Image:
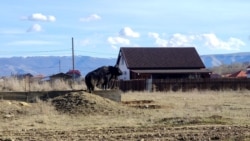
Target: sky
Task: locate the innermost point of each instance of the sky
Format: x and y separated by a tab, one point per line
100	27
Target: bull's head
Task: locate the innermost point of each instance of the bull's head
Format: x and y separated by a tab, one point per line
115	70
118	70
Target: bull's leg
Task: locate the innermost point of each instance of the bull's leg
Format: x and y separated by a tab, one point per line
104	86
105	83
88	88
92	88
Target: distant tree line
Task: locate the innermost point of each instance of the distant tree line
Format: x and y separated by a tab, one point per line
231	68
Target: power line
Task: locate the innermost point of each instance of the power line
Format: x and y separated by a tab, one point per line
95	52
52	51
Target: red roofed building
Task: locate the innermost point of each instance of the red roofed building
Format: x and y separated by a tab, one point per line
74	73
239	74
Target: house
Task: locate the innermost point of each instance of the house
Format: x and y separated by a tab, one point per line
60	76
74	73
23	76
238	74
248	72
160	63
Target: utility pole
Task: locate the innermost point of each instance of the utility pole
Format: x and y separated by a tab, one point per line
73	59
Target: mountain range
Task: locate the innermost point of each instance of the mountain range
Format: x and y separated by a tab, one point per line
49	65
225	59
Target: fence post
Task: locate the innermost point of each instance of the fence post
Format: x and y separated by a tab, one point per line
149	85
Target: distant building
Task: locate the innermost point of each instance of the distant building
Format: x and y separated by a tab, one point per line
22	76
238	74
61	76
74	73
248	72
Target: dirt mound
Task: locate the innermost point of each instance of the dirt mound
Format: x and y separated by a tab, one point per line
86	104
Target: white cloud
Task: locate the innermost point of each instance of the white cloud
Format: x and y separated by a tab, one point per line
213	42
51	18
35	28
176	40
181	40
128	32
114	47
118	40
209	40
92	17
158	41
40	17
121	40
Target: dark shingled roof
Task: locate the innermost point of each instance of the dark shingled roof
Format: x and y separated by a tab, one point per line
161	58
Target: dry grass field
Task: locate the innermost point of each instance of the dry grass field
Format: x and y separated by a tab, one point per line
209	115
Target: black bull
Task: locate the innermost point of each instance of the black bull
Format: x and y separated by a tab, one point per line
101	76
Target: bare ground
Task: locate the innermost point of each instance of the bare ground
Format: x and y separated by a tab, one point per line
158	132
82	116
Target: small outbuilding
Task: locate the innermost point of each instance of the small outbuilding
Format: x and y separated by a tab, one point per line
60	76
160	63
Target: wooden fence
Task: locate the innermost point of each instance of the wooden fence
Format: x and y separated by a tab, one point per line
184	84
132	85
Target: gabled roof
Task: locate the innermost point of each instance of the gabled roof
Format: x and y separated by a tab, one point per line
239	74
60	75
71	72
161	58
